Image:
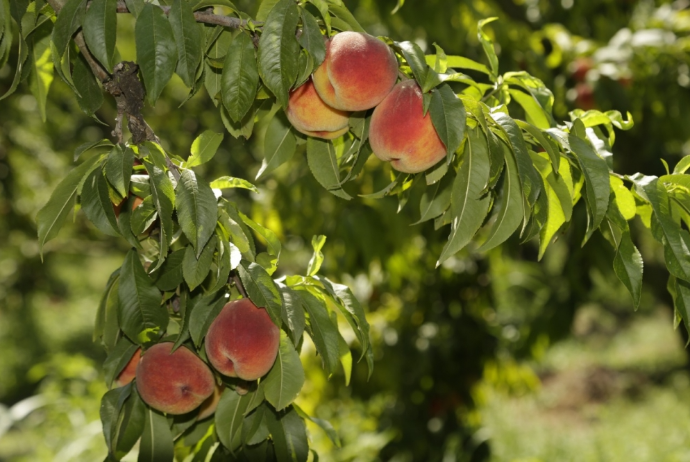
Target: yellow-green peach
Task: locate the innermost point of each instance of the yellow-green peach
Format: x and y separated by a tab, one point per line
308	113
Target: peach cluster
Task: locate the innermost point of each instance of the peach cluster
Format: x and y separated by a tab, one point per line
360	73
241	342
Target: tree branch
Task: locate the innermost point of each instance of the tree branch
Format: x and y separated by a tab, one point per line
200	16
235	278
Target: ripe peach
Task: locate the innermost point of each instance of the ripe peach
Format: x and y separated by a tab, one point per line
175	383
399	132
127	374
242	341
308	113
358	72
208	407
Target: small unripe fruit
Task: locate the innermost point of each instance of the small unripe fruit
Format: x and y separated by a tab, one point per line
308	113
174	383
358	72
242	341
401	134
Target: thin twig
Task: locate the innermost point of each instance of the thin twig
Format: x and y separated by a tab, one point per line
238	283
200	16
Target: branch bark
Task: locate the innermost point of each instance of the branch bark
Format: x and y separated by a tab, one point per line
200	16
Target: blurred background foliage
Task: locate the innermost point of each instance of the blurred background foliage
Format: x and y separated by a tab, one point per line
491	357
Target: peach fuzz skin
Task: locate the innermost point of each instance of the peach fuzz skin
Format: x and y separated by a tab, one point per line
174	383
209	406
399	132
127	374
308	113
242	341
358	72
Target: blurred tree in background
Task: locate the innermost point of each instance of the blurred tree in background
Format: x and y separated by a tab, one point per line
450	344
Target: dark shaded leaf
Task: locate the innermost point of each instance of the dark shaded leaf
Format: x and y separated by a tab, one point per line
324	166
188	38
100	30
156	50
197	209
240	77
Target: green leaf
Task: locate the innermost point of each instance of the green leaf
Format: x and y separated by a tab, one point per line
272	241
140	300
117	359
23	54
188	38
597	184
156	50
624	198
467	204
101	145
435	199
169	275
544	142
285	379
197	209
143	216
204	309
278	50
458	62
627	264
67	23
164	198
509	205
560	202
261	289
324	424
196	270
292	312
311	38
135	7
254	429
229	417
95	201
41	70
100	30
488	45
316	260
322	331
350	308
240	77
324	166
100	324
345	356
415	59
228	182
680	291
529	177
449	117
534	112
322	6
204	147
289	435
90	97
157	440
110	412
52	216
132	424
279	145
118	168
346	18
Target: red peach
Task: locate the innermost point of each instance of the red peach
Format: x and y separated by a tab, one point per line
242	341
358	72
209	406
401	134
308	113
127	374
174	383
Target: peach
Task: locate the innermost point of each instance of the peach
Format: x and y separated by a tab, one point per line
127	374
242	341
174	383
136	203
209	406
308	113
401	134
358	72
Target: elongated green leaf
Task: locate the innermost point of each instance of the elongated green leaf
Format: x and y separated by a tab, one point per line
204	309
97	205
67	23
627	264
156	50
436	199
324	424
196	270
529	177
100	27
322	331
118	168
285	379
324	166
90	97
279	49
487	44
261	289
169	275
41	67
316	260
544	142
188	38
157	440
449	117
680	291
597	186
142	216
204	147
23	54
197	209
110	412
293	312
560	202
240	77
140	301
311	38
535	113
132	424
415	59
279	145
254	429
509	205
164	198
100	324
350	308
52	216
229	417
467	204
227	182
289	435
117	359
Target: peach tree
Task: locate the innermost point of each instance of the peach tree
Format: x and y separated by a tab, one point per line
482	147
